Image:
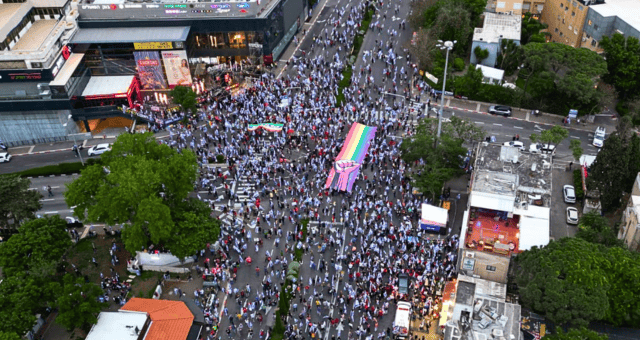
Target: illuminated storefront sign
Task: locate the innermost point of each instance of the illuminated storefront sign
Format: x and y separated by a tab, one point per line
175	6
175	11
164	45
220	6
243	5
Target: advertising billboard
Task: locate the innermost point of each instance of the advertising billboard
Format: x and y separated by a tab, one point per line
149	70
177	68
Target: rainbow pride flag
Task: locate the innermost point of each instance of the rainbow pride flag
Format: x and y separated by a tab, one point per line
347	165
271	127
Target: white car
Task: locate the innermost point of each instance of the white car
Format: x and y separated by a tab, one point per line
572	215
598	136
99	149
515	144
4	157
542	148
569	193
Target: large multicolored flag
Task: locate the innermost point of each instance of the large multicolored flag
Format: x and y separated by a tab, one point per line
271	127
347	165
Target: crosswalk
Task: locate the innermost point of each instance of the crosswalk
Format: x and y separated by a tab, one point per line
244	188
415	107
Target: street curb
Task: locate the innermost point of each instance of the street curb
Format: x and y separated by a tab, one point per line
519	119
61	175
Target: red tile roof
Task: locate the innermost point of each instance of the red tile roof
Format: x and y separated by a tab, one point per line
171	320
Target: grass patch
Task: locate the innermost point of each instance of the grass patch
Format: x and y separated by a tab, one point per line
520	82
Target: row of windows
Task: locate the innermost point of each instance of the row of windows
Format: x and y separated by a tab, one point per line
29	18
566	8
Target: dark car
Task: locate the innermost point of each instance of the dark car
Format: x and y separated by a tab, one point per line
500	110
403	284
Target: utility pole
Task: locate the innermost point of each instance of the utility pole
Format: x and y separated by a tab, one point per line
448	45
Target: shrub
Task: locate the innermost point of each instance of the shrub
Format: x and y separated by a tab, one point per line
220	158
458	64
577	184
622	108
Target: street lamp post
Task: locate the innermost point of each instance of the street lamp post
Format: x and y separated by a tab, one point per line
74	140
448	45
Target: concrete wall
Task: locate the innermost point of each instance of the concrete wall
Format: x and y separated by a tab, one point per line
32	127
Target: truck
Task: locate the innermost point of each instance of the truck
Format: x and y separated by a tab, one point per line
402	322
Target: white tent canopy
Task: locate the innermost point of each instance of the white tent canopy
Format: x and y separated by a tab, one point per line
496	202
533	232
434	215
99	86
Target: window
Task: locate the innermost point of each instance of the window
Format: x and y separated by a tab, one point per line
570	27
590	22
556	30
573	14
501	4
491	268
595	27
594	43
561	34
575	31
563	20
588	36
575	4
580	7
36	65
561	5
566	8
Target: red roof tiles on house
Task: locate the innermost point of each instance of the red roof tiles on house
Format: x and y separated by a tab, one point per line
170	320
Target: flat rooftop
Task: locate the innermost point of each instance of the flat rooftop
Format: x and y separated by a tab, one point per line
9	10
498	26
116	325
35	36
172	9
627	10
481	312
508	172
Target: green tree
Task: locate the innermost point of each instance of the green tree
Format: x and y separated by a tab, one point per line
614	170
470	83
453	23
531	30
17	202
623	64
552	136
185	97
78	303
37	247
573	72
576	334
458	64
437	165
144	186
510	56
576	149
481	54
9	336
565	281
21	297
595	228
464	130
623	270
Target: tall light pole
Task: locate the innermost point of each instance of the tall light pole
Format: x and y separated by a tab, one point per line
448	45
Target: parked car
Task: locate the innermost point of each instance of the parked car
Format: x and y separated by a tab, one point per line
542	148
515	144
4	157
572	215
99	149
569	193
598	136
73	222
500	110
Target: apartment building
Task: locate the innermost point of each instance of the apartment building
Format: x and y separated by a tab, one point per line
609	18
630	224
517	7
566	20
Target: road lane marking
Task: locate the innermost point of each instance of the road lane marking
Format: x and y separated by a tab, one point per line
479	122
50	212
31	148
47	199
496	124
518	127
576	137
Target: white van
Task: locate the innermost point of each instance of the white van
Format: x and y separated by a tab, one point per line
402	322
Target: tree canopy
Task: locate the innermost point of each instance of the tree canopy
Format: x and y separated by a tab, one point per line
77	302
595	228
21	297
530	31
614	170
145	186
552	136
444	162
571	73
17	202
573	281
36	249
576	334
623	64
185	97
